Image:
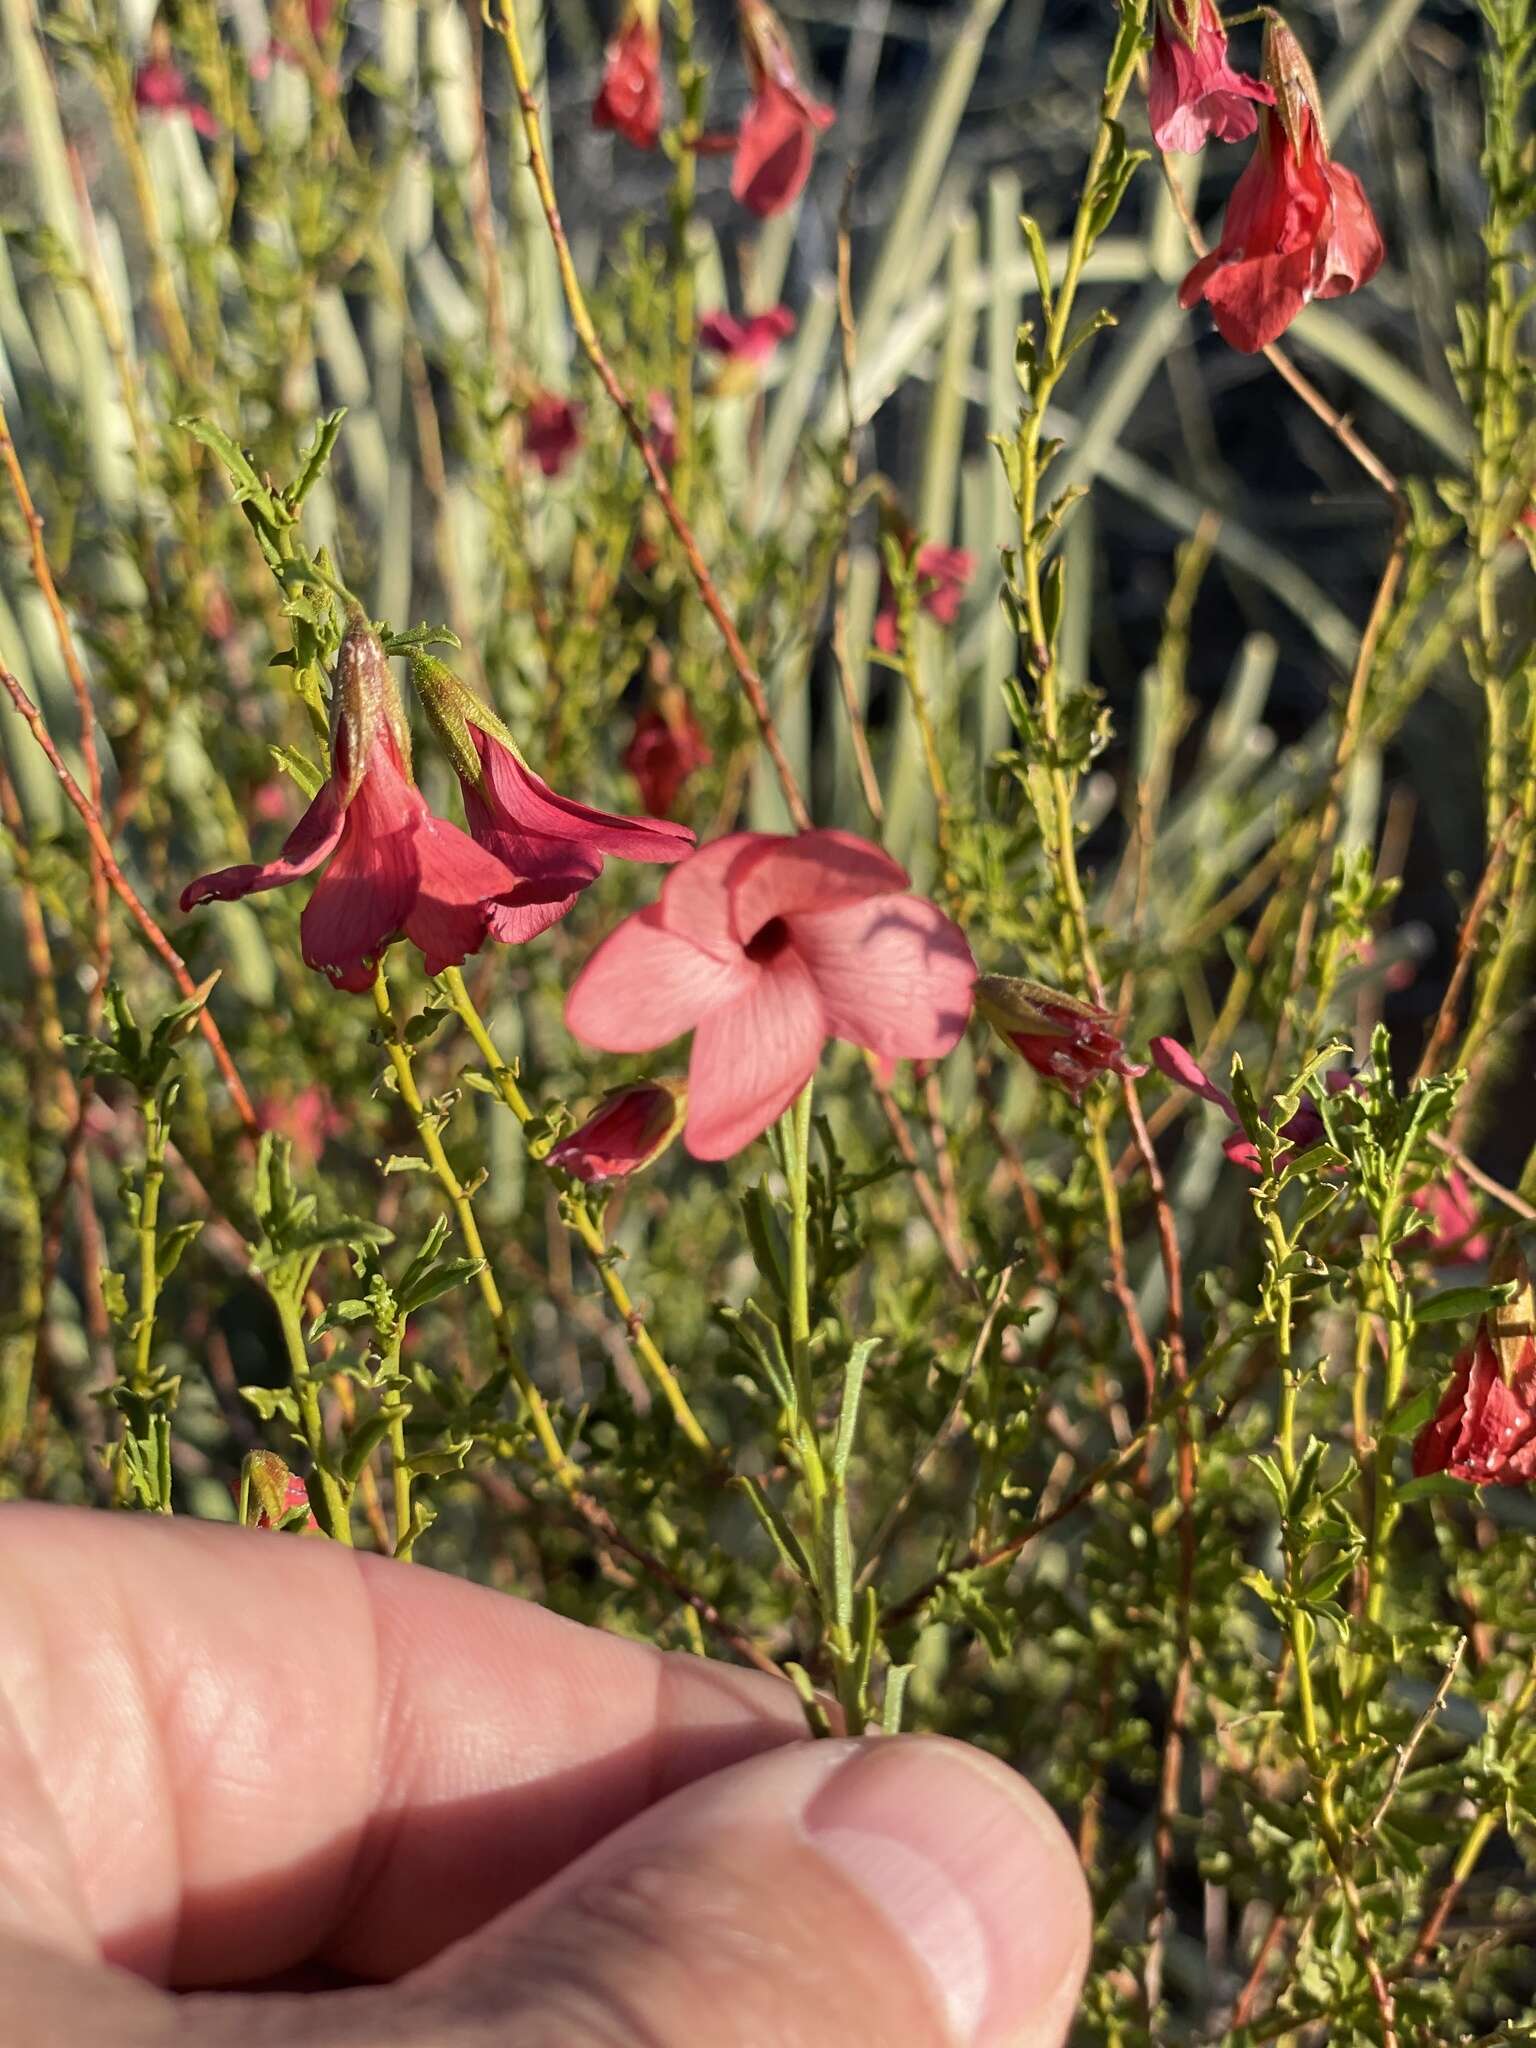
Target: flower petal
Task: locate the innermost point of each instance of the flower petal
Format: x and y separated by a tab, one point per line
312	838
457	884
811	871
1170	1058
367	892
695	899
895	974
752	1057
528	805
646	984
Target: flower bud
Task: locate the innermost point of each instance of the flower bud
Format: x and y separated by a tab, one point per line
1064	1038
630	1128
364	701
1290	77
269	1492
451	710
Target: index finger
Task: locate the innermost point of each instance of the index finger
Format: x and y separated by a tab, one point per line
234	1753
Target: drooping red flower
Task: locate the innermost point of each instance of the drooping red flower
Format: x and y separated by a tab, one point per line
553	846
1484	1430
393	867
1301	1131
551	431
1454	1235
667	745
764	946
1064	1038
1298	226
159	87
629	100
1192	91
943	577
779	129
752	340
630	1128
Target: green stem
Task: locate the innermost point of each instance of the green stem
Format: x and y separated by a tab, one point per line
469	1231
333	1505
578	1218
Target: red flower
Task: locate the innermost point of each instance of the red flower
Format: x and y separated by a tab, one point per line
393	866
765	946
630	1128
630	98
272	1491
1298	226
160	88
667	746
943	577
779	129
551	431
1064	1038
1485	1427
553	846
752	340
1192	92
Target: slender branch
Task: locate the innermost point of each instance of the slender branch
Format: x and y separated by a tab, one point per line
124	892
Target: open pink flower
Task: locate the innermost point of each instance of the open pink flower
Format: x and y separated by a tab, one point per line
764	946
1192	91
630	98
668	744
752	340
393	866
159	87
943	577
1305	1129
1298	226
553	846
779	129
630	1128
551	431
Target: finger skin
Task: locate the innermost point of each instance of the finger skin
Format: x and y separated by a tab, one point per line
239	1751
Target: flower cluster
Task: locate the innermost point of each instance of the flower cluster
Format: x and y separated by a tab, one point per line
1298	226
772	149
392	867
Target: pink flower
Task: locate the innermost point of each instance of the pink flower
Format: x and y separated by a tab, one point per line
630	98
393	866
764	947
160	88
1454	1236
553	846
752	340
1064	1038
630	1128
1302	1131
943	577
551	431
1192	92
779	129
668	744
306	1120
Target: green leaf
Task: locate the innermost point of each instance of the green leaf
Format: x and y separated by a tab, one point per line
170	1248
1436	1486
1460	1304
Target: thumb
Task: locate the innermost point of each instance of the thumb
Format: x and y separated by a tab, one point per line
910	1892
